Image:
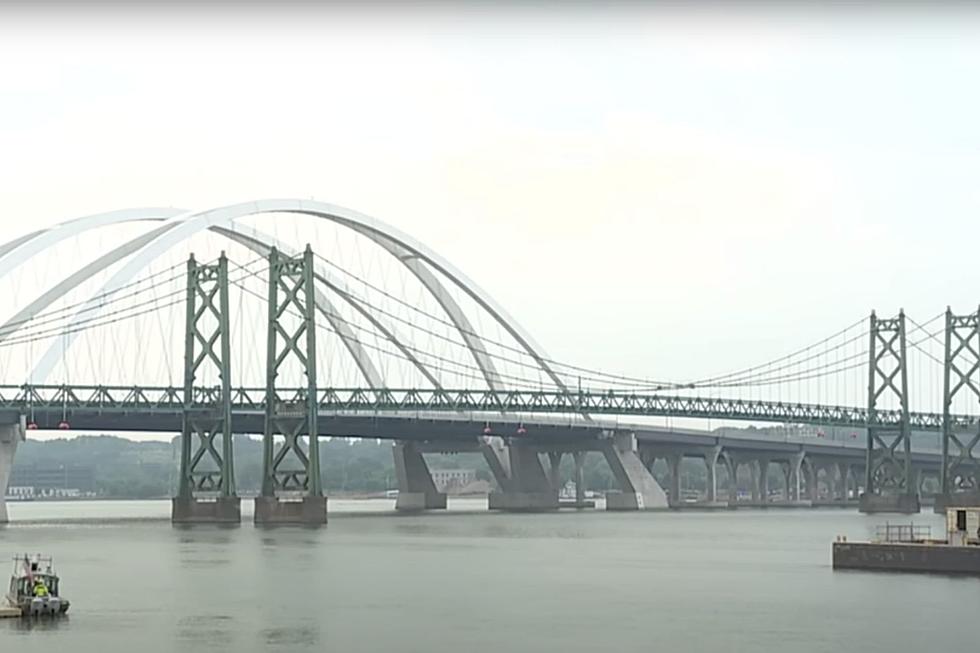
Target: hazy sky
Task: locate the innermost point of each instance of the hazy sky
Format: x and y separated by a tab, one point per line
662	193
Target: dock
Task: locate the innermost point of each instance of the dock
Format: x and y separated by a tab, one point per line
9	612
907	547
928	557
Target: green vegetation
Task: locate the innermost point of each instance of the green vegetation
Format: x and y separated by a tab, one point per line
123	468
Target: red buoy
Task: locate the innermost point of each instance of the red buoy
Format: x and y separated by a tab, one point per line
63	425
32	426
487	430
521	430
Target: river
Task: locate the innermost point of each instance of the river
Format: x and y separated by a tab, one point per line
468	580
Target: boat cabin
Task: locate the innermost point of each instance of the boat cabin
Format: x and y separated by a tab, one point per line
27	571
963	526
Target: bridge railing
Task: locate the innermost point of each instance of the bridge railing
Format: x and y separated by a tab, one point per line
167	398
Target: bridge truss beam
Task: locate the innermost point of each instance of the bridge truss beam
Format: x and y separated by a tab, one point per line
49	402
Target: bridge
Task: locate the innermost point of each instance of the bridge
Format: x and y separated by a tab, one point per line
429	375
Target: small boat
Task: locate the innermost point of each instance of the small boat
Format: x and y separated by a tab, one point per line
35	588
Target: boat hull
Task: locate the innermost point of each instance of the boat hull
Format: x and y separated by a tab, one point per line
47	606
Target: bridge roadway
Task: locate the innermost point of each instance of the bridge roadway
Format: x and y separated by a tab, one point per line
86	400
814	471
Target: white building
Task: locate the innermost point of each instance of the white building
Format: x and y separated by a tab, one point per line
452	479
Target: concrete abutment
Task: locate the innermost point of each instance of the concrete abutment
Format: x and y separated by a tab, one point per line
10	436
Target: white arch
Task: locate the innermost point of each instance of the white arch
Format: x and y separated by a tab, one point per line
23	317
262	244
188	225
17	251
256	241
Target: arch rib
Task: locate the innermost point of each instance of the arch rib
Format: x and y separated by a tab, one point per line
22	317
244	235
19	250
225	216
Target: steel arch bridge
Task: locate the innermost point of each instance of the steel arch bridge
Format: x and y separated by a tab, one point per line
304	286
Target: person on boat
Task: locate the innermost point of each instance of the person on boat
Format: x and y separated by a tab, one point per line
40	589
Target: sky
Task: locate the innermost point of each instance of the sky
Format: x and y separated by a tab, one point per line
661	192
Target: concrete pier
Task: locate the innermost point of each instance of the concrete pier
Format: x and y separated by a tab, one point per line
10	436
710	463
639	490
416	489
527	488
220	510
497	455
903	503
273	511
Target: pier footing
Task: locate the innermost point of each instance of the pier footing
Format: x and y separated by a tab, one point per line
903	503
222	510
523	501
273	511
415	501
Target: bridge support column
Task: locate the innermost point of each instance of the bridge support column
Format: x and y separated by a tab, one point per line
639	490
496	453
528	488
674	460
416	489
842	484
959	478
888	485
10	436
554	469
762	484
579	478
731	466
795	483
788	481
206	493
292	491
710	461
812	482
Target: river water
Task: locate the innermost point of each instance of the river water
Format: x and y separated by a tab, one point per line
468	580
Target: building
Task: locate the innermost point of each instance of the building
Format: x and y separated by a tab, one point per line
447	480
47	478
20	493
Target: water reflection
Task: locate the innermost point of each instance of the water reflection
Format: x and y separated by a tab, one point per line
28	624
208	630
295	636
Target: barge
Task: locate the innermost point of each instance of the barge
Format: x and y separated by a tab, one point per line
911	548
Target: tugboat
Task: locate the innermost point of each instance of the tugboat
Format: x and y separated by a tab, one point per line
34	588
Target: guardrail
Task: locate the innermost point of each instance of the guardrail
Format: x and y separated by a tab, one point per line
903	533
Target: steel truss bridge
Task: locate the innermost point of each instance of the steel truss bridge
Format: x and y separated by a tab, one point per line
509	423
